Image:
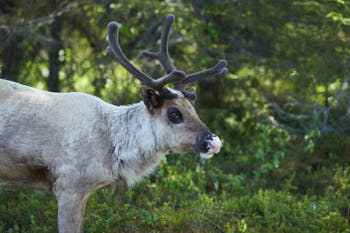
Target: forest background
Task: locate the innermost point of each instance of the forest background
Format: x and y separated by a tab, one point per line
282	111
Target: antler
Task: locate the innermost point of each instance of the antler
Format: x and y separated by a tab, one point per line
164	58
218	69
163	54
179	78
158	84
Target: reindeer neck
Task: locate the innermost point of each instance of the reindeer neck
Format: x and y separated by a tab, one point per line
138	145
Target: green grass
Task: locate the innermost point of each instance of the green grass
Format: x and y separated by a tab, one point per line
193	198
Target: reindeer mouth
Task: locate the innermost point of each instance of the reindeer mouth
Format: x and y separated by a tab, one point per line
211	145
206	155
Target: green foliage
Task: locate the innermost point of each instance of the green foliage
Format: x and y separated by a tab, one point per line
27	212
282	112
187	200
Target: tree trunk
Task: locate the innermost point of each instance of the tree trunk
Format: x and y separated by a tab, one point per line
54	63
11	57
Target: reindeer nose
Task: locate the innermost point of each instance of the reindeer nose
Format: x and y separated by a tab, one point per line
213	143
208	144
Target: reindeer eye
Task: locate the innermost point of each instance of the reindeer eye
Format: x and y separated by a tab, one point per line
174	115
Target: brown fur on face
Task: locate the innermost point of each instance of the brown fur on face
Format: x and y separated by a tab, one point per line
182	136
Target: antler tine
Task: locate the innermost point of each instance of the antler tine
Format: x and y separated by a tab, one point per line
219	69
163	54
113	33
173	76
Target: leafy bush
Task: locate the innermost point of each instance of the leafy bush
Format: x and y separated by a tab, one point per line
193	198
281	169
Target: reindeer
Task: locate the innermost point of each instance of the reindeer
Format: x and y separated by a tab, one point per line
75	143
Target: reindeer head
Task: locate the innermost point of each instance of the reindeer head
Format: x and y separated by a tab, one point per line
171	107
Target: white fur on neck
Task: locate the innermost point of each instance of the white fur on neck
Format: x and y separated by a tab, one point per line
138	140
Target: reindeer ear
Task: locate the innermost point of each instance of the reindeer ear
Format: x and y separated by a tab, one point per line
191	89
190	93
151	98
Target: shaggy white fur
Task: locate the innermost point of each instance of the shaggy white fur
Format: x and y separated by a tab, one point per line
75	143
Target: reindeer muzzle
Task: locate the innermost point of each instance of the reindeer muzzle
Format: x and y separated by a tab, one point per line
208	145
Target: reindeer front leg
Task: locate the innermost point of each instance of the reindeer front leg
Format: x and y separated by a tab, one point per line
71	207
